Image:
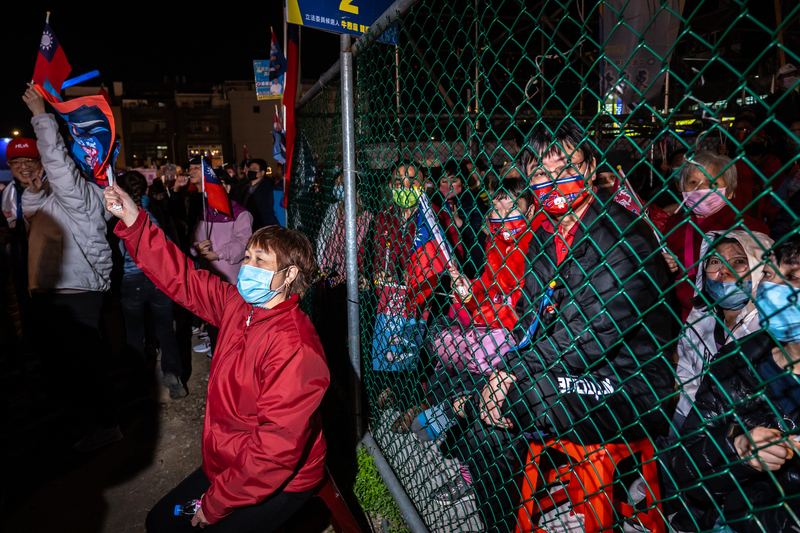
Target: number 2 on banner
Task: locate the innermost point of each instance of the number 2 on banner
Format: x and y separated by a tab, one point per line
347	6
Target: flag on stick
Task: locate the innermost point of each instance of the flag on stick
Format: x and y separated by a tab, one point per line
214	191
52	67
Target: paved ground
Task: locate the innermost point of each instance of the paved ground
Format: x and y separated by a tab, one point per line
422	468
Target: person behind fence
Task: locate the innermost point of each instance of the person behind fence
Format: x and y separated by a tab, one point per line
403	299
462	205
588	365
331	293
738	459
218	244
137	292
69	270
724	306
258	195
757	169
481	334
263	448
709	183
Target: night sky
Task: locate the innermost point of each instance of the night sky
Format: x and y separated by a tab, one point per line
133	43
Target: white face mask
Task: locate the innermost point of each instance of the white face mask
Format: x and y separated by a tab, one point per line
790	81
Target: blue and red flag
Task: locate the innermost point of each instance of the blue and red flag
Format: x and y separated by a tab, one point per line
432	253
52	67
91	124
214	191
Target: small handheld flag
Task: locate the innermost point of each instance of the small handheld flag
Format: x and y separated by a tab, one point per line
52	67
214	191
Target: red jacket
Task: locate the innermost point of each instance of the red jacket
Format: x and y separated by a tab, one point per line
262	430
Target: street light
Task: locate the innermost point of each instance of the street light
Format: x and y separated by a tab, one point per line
15	132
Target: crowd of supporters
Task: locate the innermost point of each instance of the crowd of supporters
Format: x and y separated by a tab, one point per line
558	298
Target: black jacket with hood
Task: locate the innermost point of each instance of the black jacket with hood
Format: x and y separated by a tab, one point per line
732	397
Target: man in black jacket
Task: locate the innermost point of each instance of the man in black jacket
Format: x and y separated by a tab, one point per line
259	199
588	366
740	440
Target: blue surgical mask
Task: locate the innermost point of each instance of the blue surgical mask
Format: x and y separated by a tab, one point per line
779	310
338	192
729	295
254	285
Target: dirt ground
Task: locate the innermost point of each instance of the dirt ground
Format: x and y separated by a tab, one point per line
46	487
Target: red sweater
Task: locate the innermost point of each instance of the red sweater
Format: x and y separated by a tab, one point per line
262	430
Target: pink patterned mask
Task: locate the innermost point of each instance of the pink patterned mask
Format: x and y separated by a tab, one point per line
705	202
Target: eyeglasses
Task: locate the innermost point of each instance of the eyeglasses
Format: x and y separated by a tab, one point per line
24	162
547	174
740	265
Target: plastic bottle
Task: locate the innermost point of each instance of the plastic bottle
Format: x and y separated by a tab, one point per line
187	510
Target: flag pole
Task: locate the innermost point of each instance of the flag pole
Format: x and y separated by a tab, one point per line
203	192
47	18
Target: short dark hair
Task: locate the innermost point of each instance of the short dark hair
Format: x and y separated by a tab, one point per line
262	165
223	176
452	168
549	137
788	252
514	188
157	187
291	248
133	183
244	163
197	159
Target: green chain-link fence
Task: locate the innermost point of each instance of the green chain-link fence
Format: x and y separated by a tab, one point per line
567	266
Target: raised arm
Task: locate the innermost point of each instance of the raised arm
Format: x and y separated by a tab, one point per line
199	291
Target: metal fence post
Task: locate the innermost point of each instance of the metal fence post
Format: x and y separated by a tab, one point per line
351	230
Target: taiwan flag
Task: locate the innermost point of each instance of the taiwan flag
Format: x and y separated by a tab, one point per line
432	253
214	191
52	67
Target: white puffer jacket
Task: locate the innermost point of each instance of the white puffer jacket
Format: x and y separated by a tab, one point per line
67	246
697	346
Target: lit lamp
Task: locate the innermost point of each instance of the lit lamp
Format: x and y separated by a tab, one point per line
15	132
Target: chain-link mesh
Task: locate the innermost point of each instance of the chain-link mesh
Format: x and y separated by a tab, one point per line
578	283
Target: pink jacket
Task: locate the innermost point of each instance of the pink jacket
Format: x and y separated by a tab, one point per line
228	238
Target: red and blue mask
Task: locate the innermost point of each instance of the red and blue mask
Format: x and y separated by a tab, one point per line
557	197
508	229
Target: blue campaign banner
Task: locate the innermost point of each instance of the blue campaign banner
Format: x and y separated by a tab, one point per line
341	16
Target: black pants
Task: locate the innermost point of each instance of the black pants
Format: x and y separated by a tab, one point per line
263	517
137	292
74	353
552	403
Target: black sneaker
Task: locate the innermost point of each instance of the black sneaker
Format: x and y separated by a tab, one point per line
175	386
452	491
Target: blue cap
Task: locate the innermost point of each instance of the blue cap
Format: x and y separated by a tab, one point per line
178	510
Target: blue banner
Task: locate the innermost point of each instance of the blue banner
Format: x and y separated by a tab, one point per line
341	16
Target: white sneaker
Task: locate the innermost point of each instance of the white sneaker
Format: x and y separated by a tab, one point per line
196	331
203	347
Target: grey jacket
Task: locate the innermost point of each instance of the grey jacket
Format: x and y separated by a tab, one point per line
67	246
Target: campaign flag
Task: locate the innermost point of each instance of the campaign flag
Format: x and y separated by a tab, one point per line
246	155
289	94
52	67
270	75
214	191
278	138
626	196
91	124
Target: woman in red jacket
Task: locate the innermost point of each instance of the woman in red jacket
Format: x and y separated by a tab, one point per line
263	449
